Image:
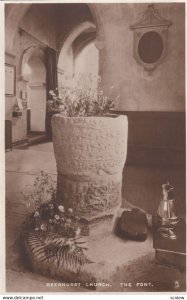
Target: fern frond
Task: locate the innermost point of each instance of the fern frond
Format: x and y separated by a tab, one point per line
56	249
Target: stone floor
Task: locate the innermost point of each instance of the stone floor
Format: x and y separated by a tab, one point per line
141	187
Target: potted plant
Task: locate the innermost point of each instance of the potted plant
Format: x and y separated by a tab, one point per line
90	147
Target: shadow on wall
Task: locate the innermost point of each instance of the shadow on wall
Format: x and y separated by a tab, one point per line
156	139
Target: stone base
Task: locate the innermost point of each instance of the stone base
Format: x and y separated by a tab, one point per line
108	253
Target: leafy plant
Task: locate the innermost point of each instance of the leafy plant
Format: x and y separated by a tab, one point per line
79	101
42	191
53	234
57	250
54	103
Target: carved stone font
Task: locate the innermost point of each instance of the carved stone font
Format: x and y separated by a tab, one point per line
90	154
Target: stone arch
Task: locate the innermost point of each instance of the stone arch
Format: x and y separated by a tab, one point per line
13	16
15	12
31	51
84	26
98	21
67	43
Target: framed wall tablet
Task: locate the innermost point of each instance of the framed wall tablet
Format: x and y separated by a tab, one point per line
150	38
10	77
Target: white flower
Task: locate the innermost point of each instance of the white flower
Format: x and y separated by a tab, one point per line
78	231
70	210
36	228
51	92
61	208
50	221
42	227
68	221
36	214
57	217
51	206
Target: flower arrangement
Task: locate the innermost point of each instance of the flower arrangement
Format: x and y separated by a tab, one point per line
54	235
49	217
79	101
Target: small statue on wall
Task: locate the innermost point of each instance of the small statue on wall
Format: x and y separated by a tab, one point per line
150	38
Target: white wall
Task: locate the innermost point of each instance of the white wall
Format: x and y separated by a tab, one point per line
36	92
37	99
86	65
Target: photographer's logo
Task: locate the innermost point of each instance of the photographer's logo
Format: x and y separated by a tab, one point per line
176	284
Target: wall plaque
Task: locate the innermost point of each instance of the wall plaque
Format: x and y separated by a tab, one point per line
150	38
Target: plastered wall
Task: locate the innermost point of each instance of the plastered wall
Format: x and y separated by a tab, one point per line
39	25
164	90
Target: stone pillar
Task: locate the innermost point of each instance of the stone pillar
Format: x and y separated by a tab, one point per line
90	153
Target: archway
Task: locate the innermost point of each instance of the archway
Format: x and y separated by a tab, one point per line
78	60
35	73
14	13
66	31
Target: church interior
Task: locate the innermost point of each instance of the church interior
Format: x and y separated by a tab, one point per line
137	50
